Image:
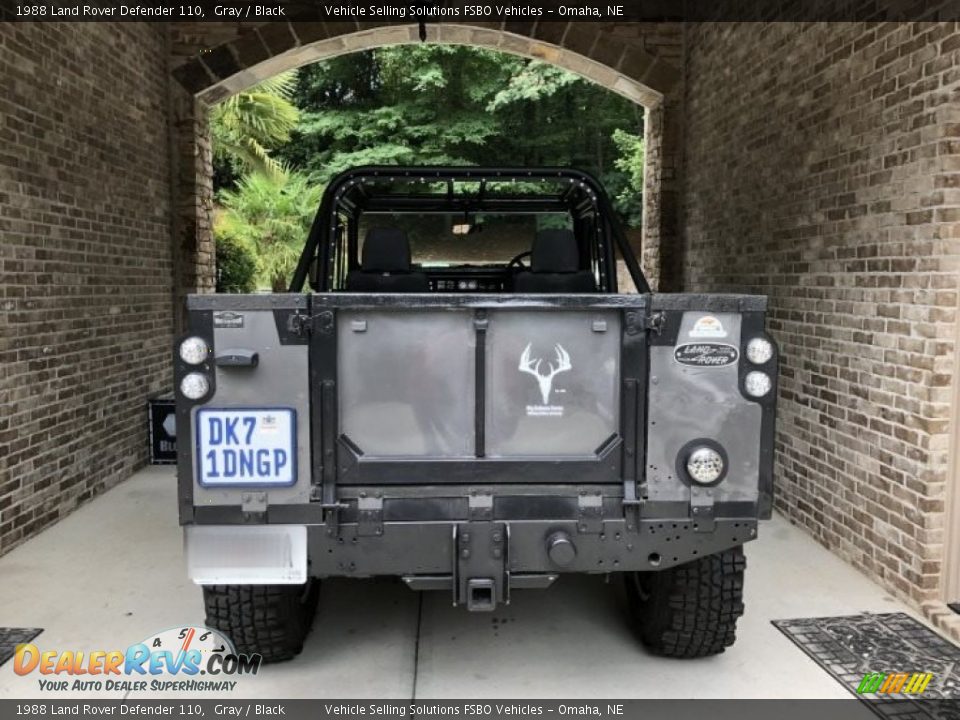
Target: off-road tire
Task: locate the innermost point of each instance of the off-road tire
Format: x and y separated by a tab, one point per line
691	610
271	620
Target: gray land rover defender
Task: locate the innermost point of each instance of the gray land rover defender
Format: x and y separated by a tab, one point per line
473	412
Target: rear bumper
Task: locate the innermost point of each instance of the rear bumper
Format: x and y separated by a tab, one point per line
437	548
431	553
475	542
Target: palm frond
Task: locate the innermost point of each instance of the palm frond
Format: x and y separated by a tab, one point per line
247	125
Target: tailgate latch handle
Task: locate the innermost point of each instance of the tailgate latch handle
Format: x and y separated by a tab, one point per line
237	357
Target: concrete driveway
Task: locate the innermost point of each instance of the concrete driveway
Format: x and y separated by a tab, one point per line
112	574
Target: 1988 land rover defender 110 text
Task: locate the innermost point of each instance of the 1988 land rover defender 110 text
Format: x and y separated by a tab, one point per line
474	413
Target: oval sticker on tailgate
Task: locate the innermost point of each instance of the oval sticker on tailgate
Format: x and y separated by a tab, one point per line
706	354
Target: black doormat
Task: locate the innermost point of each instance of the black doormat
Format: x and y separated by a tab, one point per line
884	646
11	637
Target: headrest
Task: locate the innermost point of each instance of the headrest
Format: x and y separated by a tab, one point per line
555	251
386	249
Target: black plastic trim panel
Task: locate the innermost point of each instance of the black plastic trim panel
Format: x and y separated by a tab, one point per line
704	302
751	326
273	301
353	301
200	324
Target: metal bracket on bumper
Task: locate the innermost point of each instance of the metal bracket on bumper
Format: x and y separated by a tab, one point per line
701	509
590	511
480	505
369	515
481	578
253	505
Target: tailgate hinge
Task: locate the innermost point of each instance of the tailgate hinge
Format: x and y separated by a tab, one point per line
370	515
631	504
654	322
701	509
590	511
300	324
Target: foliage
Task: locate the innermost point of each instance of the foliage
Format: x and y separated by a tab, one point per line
534	81
630	163
270	214
278	143
433	104
236	266
248	125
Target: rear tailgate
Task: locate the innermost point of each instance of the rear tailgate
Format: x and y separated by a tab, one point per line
433	389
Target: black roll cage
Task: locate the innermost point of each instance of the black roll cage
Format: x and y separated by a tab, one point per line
349	193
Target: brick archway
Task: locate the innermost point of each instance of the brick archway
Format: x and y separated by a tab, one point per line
213	61
590	50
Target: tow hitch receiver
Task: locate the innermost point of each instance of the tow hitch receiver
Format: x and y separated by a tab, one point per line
481	578
481	594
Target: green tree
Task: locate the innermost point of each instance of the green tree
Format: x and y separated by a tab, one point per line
422	104
247	126
270	214
429	104
628	201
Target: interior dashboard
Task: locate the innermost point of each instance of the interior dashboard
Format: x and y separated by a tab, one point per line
468	278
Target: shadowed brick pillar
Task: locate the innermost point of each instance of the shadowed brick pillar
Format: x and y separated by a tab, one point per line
661	250
193	246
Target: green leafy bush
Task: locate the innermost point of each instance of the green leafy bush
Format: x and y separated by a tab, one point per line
236	266
271	215
628	199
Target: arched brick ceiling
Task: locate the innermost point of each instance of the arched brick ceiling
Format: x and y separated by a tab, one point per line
215	60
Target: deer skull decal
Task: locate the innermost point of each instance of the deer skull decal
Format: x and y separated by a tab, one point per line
532	367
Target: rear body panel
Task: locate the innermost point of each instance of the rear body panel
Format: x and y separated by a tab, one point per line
423	420
732	421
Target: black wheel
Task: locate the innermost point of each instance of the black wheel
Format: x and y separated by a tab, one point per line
691	610
271	620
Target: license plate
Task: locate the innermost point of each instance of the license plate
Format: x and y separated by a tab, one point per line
246	447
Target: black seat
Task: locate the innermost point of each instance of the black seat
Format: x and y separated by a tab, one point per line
385	265
555	266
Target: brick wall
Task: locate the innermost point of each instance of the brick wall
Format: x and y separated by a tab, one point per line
823	168
192	158
85	262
